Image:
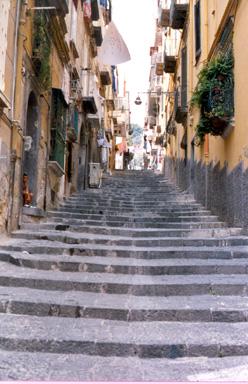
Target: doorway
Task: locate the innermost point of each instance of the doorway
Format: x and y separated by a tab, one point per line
83	158
31	151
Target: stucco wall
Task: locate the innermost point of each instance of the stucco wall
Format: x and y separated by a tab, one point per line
222	191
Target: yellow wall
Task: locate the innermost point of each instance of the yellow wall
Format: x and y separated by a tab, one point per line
234	148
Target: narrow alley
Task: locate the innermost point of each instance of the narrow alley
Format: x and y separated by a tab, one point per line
123	190
133	281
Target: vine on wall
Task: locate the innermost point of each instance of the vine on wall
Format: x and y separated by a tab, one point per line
41	50
214	95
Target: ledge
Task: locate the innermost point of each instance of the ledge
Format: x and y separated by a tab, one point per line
4	102
56	168
229	129
33	211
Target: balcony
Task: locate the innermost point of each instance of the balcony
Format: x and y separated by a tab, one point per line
94	10
159	39
97	34
105	77
89	105
74	50
94	121
180	105
121	104
110	105
159	69
171	126
169	63
60	5
152	122
153	50
153	106
164	18
93	47
4	102
178	13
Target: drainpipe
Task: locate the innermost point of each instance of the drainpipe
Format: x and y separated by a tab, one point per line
13	156
206	144
17	17
191	84
47	146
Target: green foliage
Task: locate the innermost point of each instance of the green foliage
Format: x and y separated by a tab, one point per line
214	95
41	50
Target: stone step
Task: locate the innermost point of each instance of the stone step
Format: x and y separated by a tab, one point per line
106	264
118	338
130	201
137	285
131	212
129	218
127	199
127	276
153	242
33	366
53	247
35	302
141	225
155	208
134	232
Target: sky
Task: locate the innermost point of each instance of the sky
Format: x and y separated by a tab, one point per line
135	20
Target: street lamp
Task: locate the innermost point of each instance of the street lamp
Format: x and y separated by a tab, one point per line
138	100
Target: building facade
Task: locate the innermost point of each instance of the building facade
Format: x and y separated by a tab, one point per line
205	124
56	103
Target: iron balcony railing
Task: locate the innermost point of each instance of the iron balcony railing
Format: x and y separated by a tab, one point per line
180	104
178	13
220	100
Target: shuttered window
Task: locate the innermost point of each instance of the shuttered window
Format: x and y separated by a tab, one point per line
184	77
58	127
197	12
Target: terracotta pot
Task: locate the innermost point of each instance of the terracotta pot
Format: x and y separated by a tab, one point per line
218	125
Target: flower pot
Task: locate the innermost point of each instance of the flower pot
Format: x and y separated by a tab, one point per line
218	124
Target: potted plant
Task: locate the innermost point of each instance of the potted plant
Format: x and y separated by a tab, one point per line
214	95
41	51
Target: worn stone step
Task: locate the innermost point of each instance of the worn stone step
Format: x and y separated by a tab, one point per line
187	252
26	301
122	201
132	212
141	225
121	265
89	238
137	285
134	232
128	218
132	208
139	202
33	366
117	338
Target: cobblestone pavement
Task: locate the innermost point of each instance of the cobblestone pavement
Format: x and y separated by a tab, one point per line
131	282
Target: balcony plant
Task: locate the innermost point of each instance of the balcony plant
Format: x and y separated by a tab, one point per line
41	50
214	95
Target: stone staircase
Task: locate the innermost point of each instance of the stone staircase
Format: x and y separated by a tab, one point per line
132	282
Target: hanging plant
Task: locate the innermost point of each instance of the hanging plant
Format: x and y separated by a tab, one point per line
41	50
214	95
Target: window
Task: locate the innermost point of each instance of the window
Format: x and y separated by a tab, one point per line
73	26
197	29
184	77
4	17
58	127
